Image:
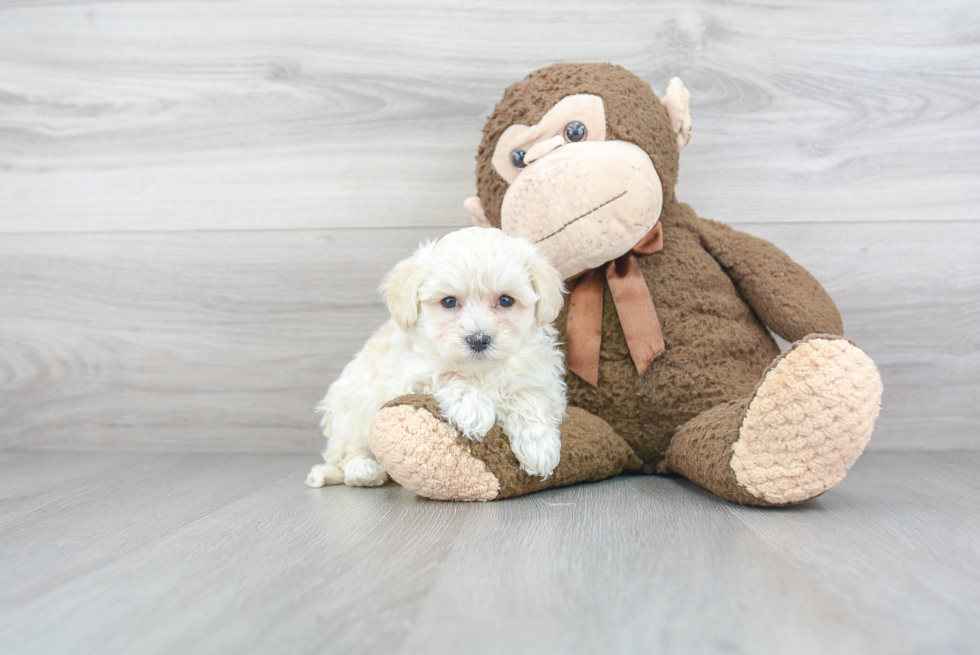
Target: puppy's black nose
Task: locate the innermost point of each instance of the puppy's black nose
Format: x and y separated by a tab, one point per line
478	342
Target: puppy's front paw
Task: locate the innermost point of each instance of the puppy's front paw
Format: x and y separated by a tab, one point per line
537	448
467	410
364	472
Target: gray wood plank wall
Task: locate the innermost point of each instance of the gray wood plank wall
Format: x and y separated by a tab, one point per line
197	200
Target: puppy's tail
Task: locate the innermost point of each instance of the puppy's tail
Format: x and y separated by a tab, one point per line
325	417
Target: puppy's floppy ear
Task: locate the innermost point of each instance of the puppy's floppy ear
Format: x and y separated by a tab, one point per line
400	288
549	286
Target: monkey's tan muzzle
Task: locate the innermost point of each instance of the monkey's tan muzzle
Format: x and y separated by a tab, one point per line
588	199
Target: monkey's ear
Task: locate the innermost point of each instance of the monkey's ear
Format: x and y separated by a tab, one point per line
677	100
400	288
549	286
475	209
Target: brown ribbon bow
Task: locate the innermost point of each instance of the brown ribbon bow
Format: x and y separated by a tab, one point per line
634	305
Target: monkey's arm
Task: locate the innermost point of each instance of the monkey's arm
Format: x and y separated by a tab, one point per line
786	297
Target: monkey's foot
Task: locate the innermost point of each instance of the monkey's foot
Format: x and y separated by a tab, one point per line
424	454
807	422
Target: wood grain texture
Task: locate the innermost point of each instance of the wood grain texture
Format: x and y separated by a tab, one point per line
115	510
198	199
294	114
201	560
202	341
217	341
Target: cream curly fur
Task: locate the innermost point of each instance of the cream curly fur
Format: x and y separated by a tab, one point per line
517	381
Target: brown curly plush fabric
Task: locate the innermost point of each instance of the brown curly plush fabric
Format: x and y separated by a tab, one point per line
763	274
717	345
590	451
633	113
698	451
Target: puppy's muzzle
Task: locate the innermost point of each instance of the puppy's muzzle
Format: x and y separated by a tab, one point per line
478	342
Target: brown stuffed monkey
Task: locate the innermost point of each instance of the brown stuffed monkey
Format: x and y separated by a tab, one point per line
672	368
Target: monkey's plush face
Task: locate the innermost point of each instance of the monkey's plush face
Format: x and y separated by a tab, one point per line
580	159
582	199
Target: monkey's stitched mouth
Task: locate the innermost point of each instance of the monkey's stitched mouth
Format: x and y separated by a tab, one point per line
578	218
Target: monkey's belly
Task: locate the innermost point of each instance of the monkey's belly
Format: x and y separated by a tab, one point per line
709	360
717	348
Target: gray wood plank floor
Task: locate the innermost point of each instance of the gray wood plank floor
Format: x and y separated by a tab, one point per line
204	553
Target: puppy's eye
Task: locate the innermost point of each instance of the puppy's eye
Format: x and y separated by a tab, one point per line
517	158
575	132
449	303
506	301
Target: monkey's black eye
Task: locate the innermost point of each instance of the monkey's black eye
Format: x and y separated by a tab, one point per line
575	132
506	301
517	158
449	303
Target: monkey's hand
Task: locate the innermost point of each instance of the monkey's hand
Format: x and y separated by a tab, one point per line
787	298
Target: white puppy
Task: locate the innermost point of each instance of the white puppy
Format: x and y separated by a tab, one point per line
471	324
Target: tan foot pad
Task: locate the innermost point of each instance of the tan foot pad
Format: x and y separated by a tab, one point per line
808	421
424	454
